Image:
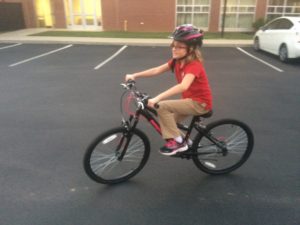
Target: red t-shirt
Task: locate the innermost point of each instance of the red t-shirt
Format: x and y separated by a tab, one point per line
199	90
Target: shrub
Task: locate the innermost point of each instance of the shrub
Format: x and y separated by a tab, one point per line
258	23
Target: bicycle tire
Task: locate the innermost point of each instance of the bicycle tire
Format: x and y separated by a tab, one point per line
235	135
101	160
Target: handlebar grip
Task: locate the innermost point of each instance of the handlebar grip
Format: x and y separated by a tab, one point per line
130	81
156	105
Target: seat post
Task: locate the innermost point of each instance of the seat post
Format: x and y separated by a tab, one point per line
194	120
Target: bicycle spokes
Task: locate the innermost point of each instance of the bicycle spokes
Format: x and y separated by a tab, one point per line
226	145
115	156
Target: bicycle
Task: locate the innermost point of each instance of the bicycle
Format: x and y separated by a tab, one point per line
118	154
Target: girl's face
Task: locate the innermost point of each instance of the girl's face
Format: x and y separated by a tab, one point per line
179	49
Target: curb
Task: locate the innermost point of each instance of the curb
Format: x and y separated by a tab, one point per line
116	41
22	36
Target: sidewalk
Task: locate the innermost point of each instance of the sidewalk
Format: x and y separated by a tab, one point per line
22	36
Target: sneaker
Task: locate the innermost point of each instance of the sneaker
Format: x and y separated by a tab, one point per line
172	147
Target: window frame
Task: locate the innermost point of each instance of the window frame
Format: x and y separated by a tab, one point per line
240	10
273	11
195	10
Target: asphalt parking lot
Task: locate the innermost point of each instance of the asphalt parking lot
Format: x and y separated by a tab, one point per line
56	98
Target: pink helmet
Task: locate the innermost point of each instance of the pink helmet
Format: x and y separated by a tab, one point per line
188	34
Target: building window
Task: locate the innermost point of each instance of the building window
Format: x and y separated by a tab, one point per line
83	14
43	13
277	8
194	12
240	15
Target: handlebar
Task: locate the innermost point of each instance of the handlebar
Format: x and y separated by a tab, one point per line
142	98
128	85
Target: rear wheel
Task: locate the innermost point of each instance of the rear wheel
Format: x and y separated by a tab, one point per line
103	161
235	142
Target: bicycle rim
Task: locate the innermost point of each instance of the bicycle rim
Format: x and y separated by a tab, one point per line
102	160
236	136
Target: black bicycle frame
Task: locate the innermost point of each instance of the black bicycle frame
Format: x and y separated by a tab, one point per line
150	115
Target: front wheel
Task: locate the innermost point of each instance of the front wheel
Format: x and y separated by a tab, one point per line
283	53
256	45
230	146
105	160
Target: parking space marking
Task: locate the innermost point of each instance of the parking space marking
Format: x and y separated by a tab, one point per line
39	56
110	58
260	60
10	46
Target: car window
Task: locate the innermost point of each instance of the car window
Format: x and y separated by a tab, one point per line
285	24
273	25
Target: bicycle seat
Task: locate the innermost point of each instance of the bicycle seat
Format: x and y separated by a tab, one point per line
206	115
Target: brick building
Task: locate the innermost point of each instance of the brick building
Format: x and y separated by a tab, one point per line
141	15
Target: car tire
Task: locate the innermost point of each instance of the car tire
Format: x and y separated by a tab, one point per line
256	44
283	53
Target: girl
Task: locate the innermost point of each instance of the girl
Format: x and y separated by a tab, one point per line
192	84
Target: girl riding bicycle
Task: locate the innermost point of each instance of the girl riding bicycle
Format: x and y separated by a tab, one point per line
192	84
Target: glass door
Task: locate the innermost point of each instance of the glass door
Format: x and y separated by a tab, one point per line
83	14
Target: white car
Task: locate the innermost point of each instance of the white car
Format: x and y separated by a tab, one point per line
280	36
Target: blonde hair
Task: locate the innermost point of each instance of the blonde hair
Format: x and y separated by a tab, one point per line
194	54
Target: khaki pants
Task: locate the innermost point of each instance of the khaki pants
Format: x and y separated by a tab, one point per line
172	111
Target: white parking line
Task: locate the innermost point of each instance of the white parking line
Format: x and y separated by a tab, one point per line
110	58
39	56
260	60
10	46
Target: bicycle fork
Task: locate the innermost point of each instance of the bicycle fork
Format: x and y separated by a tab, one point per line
127	135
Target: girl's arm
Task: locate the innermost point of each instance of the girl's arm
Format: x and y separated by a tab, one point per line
148	73
177	89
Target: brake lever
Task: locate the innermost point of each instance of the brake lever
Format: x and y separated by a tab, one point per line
141	105
128	85
124	86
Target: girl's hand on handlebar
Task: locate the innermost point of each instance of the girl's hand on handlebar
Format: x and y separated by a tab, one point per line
152	102
129	77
